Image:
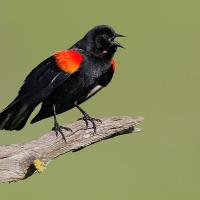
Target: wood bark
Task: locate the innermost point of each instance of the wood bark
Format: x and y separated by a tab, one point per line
17	160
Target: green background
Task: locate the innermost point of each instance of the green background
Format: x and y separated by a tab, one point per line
157	77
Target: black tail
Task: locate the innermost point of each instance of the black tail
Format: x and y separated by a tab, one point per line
15	116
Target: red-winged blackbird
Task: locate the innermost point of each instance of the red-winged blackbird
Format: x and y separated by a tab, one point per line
65	80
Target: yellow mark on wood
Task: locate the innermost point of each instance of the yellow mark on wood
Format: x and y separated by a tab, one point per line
39	165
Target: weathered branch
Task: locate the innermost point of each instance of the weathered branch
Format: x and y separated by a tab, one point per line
18	162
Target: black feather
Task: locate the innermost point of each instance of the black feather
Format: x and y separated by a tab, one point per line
44	79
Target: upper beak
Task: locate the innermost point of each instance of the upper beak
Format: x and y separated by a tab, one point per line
117	43
119	35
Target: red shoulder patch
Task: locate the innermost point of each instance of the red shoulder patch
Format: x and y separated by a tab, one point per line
68	60
113	63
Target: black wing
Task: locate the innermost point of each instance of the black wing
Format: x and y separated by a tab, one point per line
43	80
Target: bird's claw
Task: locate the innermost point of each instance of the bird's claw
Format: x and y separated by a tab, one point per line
87	119
58	129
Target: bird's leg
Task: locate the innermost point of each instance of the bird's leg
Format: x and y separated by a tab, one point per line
58	128
87	118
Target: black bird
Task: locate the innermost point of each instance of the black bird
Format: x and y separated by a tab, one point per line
65	80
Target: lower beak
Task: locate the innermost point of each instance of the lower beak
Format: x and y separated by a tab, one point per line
117	44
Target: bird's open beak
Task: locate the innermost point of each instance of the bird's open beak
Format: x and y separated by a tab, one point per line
117	43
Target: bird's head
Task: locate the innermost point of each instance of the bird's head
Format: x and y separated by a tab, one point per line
100	41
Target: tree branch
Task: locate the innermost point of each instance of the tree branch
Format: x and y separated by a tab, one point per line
18	162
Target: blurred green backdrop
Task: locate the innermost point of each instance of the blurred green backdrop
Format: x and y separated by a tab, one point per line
157	77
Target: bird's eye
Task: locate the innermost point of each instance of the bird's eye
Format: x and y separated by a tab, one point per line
105	36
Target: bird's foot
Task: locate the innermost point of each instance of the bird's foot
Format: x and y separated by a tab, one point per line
86	118
59	129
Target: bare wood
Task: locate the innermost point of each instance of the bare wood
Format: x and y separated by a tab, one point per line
16	161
